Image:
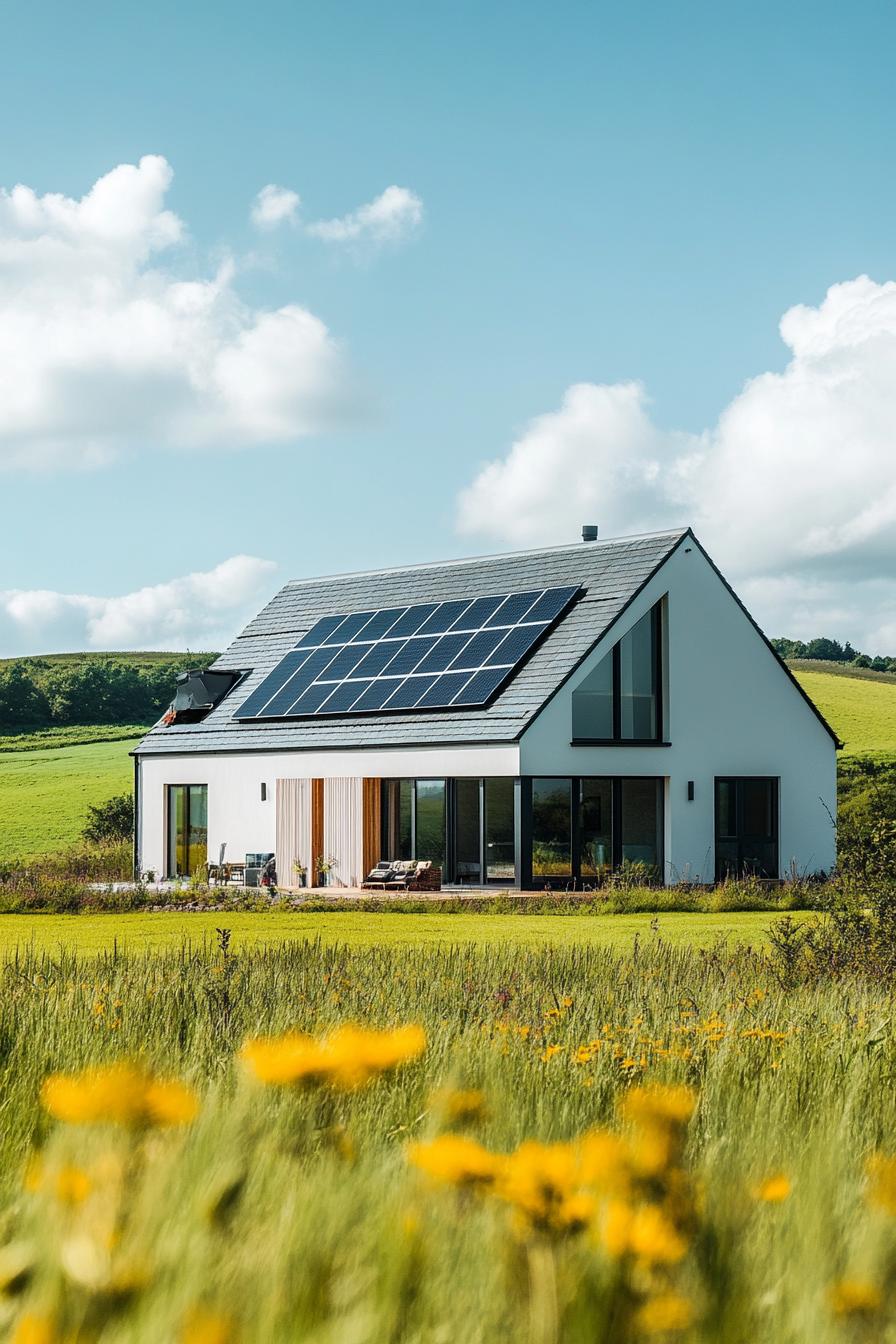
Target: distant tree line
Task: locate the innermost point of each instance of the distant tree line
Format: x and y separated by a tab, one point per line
832	651
39	692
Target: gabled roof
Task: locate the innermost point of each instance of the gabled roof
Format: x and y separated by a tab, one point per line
611	573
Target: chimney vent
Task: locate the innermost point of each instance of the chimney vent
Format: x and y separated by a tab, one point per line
589	531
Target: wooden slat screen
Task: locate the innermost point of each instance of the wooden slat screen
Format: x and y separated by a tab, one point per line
317	828
372	823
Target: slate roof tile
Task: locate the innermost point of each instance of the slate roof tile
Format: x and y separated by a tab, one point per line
610	572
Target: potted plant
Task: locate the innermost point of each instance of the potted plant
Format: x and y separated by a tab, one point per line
326	864
300	871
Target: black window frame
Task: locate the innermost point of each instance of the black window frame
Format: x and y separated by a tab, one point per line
171	872
449	862
739	839
576	881
522	800
617	740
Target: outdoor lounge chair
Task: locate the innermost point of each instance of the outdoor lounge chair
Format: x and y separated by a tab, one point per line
416	875
379	876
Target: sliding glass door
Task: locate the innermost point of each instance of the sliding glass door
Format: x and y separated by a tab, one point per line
468	830
500	847
583	828
187	828
464	826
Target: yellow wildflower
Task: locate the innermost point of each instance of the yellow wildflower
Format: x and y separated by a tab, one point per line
550	1052
544	1183
881	1172
604	1161
773	1190
34	1329
348	1058
854	1297
653	1238
455	1160
118	1094
460	1105
290	1058
653	1151
659	1105
665	1314
615	1225
72	1185
207	1327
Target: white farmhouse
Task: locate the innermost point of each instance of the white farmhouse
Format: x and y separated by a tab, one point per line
532	719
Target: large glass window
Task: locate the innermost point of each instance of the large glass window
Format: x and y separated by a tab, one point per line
592	702
551	828
641	821
399	802
430	829
638	680
584	828
596	826
187	829
746	827
467	831
619	700
499	830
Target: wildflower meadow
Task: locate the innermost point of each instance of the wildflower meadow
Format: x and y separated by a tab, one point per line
448	1144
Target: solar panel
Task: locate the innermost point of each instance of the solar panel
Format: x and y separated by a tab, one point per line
433	655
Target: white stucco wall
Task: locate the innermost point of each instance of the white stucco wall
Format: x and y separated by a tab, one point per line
730	710
238	817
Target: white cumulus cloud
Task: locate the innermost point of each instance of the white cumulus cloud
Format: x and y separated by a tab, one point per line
274	205
105	348
793	489
198	611
393	216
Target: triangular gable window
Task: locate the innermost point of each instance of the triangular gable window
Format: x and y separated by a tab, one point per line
620	700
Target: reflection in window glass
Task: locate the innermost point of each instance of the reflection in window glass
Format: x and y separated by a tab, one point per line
398	803
746	827
431	820
757	807
499	830
198	827
641	820
597	826
405	803
467	858
727	810
187	829
637	680
551	827
592	703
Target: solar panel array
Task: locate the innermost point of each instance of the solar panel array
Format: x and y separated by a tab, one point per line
435	655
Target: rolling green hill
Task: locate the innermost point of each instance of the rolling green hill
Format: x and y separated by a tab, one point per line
861	708
44	795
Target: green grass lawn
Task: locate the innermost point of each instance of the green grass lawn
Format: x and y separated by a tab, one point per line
157	932
862	712
44	795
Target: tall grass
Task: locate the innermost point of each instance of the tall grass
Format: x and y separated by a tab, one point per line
283	1215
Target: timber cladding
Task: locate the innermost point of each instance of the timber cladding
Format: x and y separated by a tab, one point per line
317	827
372	828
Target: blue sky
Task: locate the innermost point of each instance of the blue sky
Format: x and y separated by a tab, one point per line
609	194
